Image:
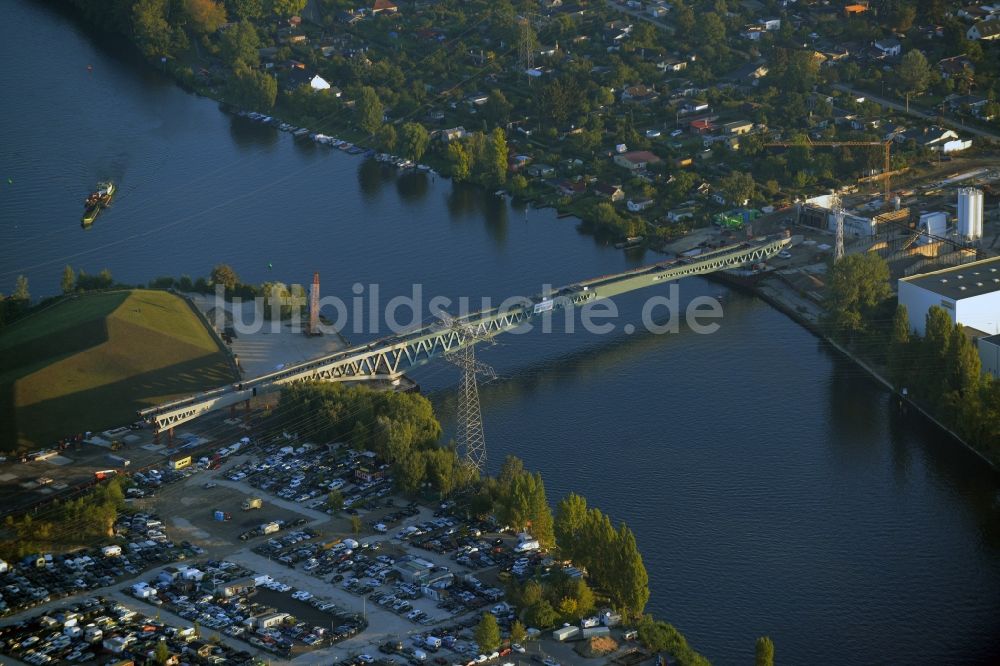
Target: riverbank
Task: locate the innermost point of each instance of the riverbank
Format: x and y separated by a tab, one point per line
808	314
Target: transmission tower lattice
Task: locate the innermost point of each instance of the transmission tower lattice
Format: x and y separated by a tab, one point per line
469	435
525	54
838	216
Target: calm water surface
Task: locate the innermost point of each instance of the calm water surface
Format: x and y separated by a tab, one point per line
773	488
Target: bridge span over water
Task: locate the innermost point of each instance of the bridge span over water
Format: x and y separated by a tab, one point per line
390	357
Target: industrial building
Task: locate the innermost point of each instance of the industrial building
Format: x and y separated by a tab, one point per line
969	293
989	354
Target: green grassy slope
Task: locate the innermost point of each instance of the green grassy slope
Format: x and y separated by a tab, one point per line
90	362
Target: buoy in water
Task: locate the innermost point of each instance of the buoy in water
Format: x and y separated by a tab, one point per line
90	68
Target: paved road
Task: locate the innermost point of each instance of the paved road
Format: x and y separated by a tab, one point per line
919	113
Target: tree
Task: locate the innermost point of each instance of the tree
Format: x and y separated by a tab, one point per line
459	160
370	110
68	283
245	9
571	516
21	292
683	17
149	23
224	274
252	89
965	363
496	168
335	500
914	71
286	8
858	283
765	652
629	587
240	44
356	524
415	141
739	187
487	634
204	16
710	29
497	109
162	652
541	614
518	634
385	138
410	473
898	355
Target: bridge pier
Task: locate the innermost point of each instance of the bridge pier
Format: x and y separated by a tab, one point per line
156	437
232	411
170	435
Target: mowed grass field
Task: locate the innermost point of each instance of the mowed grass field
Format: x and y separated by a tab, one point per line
89	362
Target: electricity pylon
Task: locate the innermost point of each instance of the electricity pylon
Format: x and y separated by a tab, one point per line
838	217
469	435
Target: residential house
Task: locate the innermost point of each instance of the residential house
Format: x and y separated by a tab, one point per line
738	127
753	32
888	47
685	212
657	11
477	99
384	7
540	170
639	205
572	188
701	126
671	65
936	139
771	24
349	17
238	587
550	4
299	76
986	31
612	192
861	124
747	74
693	106
639	93
636	159
453	134
956	67
855	10
961	102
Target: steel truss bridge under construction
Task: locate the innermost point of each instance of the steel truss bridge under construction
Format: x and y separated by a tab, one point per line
389	358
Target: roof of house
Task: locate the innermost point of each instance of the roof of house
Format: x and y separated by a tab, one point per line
992	339
987	28
384	4
965	281
637	156
702	123
888	43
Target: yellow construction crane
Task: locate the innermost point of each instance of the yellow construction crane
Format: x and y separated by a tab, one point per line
886	174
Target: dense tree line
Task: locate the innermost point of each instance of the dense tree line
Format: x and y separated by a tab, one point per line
64	524
943	371
611	557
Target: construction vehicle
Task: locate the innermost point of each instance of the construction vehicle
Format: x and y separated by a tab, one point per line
251	503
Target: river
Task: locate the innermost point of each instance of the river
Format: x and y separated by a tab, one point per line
773	487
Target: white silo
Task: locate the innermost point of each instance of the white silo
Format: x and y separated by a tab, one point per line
970	213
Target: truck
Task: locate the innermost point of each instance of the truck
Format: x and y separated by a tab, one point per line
269	528
119	460
104	474
251	503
